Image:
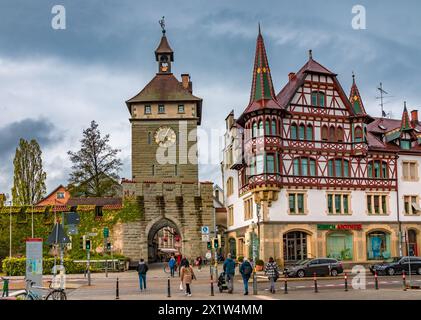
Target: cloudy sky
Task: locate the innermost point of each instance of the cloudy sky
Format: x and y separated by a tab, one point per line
54	82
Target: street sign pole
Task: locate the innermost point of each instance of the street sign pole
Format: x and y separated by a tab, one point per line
88	266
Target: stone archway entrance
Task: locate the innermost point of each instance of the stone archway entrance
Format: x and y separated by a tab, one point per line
164	238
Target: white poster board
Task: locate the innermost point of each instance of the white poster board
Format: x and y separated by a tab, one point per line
34	262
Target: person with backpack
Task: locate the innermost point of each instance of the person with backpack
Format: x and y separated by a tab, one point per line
271	271
171	265
187	276
229	270
142	269
246	270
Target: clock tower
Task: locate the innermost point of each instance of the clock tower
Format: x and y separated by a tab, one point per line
164	118
165	189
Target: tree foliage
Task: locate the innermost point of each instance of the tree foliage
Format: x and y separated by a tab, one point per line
29	176
95	166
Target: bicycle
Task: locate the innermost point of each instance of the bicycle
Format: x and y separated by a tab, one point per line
54	294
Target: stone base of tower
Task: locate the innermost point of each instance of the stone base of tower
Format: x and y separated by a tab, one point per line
185	207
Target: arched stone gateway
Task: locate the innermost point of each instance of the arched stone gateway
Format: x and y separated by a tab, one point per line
164	238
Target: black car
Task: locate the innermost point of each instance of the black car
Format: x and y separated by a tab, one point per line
320	266
397	265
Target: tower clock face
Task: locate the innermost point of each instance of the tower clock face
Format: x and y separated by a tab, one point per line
165	137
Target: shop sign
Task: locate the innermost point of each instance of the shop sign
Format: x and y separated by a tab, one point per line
339	226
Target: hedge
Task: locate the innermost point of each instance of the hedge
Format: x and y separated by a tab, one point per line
17	266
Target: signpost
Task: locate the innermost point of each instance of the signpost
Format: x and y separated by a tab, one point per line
34	262
106	233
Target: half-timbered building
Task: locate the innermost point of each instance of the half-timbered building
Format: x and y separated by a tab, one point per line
310	174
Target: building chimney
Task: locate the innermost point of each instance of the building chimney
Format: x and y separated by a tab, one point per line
414	117
291	76
185	81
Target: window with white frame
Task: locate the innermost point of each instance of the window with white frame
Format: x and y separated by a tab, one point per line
377	204
338	203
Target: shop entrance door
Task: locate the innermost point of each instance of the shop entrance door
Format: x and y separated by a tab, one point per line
295	246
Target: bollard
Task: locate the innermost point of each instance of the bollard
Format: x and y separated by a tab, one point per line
169	288
212	292
286	284
404	280
315	283
376	281
346	282
117	293
254	283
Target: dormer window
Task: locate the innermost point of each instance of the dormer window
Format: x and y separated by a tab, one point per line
317	99
405	144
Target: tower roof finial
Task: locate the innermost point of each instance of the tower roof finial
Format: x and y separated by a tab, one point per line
310	54
162	24
259	29
353	77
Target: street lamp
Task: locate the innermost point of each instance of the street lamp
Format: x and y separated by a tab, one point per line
258	206
253	243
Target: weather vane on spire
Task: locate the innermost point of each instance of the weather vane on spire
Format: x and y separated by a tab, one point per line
162	24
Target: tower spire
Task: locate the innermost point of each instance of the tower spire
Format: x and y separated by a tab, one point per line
164	55
355	97
262	86
405	124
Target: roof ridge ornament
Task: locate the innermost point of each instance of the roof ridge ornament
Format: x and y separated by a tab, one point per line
162	24
310	54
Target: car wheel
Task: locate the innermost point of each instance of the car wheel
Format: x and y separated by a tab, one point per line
334	272
391	272
300	273
419	271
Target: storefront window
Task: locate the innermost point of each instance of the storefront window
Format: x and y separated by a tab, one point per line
340	246
232	247
378	245
295	246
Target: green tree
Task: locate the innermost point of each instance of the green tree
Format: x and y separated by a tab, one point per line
29	176
95	166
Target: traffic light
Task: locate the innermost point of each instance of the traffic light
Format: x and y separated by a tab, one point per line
88	244
209	245
106	232
108	246
215	243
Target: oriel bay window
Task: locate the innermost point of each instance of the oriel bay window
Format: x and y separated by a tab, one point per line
296	203
304	166
338	203
377	204
264	163
358	134
254	130
294	131
378	169
338	168
274	131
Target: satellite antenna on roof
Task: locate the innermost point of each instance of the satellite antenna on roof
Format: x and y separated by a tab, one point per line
382	103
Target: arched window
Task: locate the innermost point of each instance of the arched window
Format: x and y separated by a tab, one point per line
302	132
332	134
309	132
261	130
358	134
254	132
378	169
274	131
338	168
267	127
304	166
339	134
325	133
294	131
317	99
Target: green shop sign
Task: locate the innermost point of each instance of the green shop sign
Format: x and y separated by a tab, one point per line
339	227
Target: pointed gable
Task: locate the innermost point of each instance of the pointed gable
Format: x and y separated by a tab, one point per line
405	123
355	98
262	94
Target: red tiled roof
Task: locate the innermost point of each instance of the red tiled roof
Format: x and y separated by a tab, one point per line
94	201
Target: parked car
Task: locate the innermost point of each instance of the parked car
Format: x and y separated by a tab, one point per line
320	266
397	265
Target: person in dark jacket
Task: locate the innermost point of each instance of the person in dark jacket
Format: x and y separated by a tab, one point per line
172	264
229	270
142	269
246	270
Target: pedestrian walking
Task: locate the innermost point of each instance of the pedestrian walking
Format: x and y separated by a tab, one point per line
142	269
271	271
171	264
246	270
187	276
229	270
183	261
